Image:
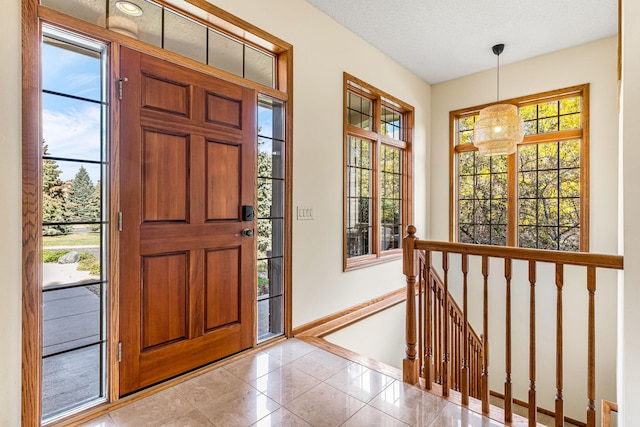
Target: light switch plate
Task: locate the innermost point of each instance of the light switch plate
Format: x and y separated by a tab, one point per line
305	212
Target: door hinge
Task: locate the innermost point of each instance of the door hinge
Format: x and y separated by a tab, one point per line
119	221
120	352
120	81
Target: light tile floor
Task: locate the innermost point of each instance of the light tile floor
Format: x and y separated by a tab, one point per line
292	384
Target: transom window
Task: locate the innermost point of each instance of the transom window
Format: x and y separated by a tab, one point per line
377	185
536	198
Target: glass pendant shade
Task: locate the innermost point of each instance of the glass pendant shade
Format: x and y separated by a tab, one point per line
499	130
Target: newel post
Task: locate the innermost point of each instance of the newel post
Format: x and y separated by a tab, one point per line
410	364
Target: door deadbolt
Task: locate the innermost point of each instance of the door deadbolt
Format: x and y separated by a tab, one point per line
247	232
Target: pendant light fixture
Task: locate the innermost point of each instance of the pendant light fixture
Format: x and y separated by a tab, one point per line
500	128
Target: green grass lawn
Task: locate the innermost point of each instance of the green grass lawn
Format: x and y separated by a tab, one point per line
73	239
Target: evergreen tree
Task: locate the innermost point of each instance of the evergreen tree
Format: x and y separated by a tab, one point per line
54	204
94	207
81	196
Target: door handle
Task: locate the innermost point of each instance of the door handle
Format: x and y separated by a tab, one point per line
247	232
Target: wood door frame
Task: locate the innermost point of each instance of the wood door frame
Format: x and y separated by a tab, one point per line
33	15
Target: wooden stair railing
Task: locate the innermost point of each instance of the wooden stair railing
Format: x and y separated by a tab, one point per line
464	374
448	352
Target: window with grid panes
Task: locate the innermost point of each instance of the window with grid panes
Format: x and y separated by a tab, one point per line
377	135
535	198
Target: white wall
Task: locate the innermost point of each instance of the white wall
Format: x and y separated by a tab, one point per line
380	337
629	312
10	214
323	50
593	63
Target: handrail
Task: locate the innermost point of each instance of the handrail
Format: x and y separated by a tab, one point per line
454	355
539	255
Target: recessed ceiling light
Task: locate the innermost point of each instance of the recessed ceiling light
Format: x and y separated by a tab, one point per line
129	8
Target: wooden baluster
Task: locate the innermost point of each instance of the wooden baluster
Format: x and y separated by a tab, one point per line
455	349
439	356
559	402
445	339
484	391
410	363
428	327
465	333
533	408
421	317
508	397
458	358
591	358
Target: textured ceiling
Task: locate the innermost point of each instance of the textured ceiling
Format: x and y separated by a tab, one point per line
440	40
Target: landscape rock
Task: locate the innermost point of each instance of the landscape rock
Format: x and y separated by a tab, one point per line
69	258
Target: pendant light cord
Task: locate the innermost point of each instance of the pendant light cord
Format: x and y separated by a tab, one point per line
498	80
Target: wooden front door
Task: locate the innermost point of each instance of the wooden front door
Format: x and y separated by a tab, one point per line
187	168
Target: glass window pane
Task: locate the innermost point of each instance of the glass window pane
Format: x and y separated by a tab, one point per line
548	184
548	125
467	233
570	154
571	121
185	37
270	158
465	137
258	66
528	212
498	164
467	213
570	183
225	53
146	27
71	193
270	238
531	127
569	211
569	239
71	318
466	123
71	379
548	109
270	118
527	157
528	185
548	156
548	238
71	128
548	211
466	163
528	113
89	11
527	237
71	70
270	198
359	111
570	105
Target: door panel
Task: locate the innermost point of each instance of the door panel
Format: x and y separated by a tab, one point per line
164	299
187	279
223	175
165	175
222	291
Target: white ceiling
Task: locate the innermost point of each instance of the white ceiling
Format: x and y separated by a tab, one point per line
440	40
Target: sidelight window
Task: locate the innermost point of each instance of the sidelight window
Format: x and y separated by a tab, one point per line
74	122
